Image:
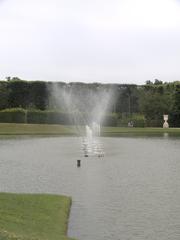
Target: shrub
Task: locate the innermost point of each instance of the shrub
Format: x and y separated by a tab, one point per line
154	123
36	116
48	117
18	115
110	120
137	120
14	115
174	120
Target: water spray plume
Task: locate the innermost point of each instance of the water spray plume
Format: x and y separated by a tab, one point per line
86	108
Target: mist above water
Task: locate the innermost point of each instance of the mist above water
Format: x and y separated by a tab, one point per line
87	107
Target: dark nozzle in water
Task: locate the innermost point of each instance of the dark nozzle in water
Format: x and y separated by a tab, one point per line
100	155
78	163
86	155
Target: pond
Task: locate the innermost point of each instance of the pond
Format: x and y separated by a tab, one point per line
133	192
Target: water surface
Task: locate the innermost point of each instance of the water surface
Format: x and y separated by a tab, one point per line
133	192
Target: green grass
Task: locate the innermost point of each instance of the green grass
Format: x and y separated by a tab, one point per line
35	129
115	131
45	129
33	216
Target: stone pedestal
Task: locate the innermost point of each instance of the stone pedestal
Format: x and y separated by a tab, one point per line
166	124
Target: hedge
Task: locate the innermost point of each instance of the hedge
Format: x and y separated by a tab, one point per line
16	115
154	123
49	117
137	120
110	120
12	116
19	115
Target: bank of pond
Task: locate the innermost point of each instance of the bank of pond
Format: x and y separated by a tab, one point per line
47	129
34	216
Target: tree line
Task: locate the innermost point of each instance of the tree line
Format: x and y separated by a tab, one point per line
144	104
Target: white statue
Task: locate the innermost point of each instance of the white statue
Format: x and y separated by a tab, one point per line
166	124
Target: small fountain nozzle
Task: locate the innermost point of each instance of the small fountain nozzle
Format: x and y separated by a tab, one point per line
78	163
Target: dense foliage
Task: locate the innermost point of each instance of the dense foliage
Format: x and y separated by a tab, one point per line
49	102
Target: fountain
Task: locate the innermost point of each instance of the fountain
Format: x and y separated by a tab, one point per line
166	124
91	144
87	109
96	129
89	133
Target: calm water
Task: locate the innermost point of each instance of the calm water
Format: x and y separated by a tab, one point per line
132	193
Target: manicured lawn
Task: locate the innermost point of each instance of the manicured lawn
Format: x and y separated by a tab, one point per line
113	131
45	129
35	129
33	216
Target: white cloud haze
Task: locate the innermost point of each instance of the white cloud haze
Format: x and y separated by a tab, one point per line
125	41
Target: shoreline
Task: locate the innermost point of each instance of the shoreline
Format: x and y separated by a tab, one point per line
65	130
43	216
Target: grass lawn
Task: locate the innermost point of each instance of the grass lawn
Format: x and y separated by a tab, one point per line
33	216
113	131
35	129
45	129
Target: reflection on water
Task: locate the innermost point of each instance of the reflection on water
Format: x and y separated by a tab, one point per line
166	135
92	147
133	192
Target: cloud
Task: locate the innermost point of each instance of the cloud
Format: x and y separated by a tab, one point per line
120	40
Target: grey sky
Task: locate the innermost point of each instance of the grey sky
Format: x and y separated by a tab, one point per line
125	41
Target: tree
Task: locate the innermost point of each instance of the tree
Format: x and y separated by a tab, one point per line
8	78
18	94
154	102
158	82
148	82
174	119
15	79
177	99
39	94
4	95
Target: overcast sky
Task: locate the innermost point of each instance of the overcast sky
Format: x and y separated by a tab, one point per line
123	41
